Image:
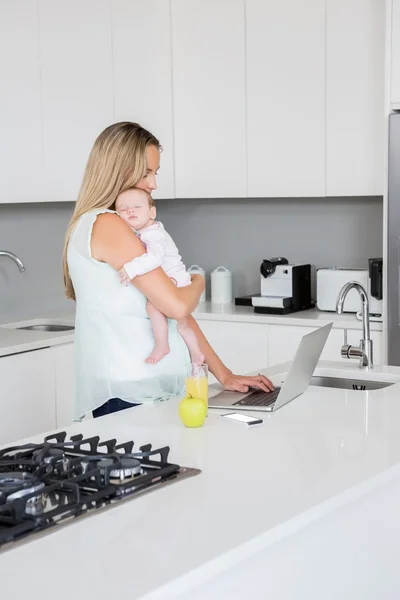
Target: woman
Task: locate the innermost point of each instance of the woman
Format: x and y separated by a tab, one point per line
112	332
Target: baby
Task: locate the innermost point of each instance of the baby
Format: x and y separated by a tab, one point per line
137	209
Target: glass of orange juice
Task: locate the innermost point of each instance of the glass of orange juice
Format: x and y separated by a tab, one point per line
197	381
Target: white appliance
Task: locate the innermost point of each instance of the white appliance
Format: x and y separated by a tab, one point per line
284	288
331	280
221	286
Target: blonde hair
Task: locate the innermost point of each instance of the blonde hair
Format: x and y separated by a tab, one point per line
116	163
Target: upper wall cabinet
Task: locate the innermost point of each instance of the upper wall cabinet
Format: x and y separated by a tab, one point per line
76	54
143	75
355	44
208	50
285	62
258	98
20	102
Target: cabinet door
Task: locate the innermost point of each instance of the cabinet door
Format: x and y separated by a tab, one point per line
395	56
243	347
355	97
65	383
143	75
21	155
285	339
27	395
76	57
285	62
208	49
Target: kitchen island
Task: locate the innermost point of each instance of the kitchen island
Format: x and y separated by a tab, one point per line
271	500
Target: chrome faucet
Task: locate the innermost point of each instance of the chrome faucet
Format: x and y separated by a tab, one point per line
15	258
364	350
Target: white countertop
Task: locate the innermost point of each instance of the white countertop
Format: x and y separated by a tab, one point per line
258	487
13	340
306	318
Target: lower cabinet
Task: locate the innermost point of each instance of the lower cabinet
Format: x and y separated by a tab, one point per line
247	347
27	391
284	340
65	383
243	347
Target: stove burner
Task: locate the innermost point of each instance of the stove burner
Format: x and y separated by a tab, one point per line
22	483
52	455
18	485
125	468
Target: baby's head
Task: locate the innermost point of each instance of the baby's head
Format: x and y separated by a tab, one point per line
136	207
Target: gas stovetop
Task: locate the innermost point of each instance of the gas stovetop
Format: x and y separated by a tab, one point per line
44	485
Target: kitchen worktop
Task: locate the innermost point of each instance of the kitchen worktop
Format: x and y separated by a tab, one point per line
306	318
13	340
259	489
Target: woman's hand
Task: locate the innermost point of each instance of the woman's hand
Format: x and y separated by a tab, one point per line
241	383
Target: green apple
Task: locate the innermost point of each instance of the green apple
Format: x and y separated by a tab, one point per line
192	411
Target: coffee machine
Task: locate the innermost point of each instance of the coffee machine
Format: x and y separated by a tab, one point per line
285	288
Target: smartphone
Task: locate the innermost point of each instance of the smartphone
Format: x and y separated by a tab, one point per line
241	418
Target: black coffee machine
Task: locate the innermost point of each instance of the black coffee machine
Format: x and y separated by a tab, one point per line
375	275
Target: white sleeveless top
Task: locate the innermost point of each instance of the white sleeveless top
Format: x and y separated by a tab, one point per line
113	334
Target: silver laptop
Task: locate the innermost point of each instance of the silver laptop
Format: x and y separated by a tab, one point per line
296	381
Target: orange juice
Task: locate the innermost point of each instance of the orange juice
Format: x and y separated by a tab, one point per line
197	387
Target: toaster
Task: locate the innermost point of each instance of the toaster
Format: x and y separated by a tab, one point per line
331	280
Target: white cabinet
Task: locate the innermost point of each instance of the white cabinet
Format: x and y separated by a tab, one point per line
20	102
27	395
355	42
208	50
65	383
285	339
255	98
77	88
242	347
285	63
395	56
143	75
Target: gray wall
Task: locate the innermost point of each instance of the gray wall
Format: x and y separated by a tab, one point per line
35	232
234	233
238	234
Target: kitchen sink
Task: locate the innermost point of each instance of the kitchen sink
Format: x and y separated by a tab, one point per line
47	327
349	384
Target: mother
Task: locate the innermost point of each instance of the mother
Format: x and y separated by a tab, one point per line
113	335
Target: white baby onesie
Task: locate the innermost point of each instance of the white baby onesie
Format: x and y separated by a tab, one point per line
161	251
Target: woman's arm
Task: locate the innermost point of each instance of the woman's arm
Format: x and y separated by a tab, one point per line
230	381
114	243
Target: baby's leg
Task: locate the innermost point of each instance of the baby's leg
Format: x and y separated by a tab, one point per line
190	339
159	323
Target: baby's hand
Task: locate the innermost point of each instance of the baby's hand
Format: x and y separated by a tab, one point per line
124	276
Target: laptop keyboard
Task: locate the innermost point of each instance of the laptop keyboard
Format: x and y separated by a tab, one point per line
259	398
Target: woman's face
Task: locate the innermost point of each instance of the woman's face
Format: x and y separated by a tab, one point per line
149	183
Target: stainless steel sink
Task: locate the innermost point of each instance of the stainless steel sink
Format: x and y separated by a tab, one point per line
47	327
348	384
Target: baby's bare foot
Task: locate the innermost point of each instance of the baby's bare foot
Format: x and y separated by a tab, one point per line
158	353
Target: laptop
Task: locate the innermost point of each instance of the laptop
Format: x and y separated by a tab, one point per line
296	381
